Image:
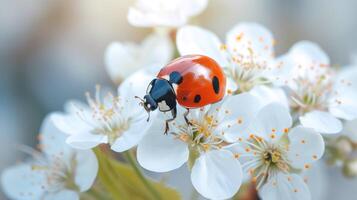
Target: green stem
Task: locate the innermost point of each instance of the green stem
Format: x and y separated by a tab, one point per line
129	157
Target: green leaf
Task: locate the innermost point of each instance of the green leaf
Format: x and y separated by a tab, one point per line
122	182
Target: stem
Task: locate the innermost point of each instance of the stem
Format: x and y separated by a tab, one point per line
129	157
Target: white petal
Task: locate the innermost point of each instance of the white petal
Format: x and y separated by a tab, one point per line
119	60
271	122
86	169
350	130
53	140
63	194
231	85
144	14
217	174
164	13
285	187
72	106
321	122
68	123
307	58
196	40
246	38
269	95
122	59
317	179
86	140
21	182
346	78
133	135
161	153
237	112
307	53
282	70
347	106
135	85
156	49
306	146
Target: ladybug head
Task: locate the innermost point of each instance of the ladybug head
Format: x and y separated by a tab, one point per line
148	104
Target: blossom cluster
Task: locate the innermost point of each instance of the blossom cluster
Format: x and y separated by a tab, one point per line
270	127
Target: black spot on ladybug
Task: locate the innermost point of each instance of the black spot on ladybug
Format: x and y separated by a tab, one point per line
197	98
184	98
175	77
215	84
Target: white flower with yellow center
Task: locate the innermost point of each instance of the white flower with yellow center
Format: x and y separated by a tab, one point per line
163	13
246	56
117	120
319	96
58	172
271	154
202	145
124	58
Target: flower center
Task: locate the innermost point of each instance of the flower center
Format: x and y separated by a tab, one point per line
199	136
245	70
58	174
311	95
265	159
105	116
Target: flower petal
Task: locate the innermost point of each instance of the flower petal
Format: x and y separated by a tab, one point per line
196	40
308	60
68	123
156	49
86	169
131	86
350	130
217	174
161	153
120	61
133	135
285	186
164	13
306	146
62	194
53	140
308	54
86	140
272	122
237	112
248	38
22	182
322	122
269	95
345	104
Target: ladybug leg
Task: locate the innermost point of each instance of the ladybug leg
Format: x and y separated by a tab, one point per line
174	114
185	116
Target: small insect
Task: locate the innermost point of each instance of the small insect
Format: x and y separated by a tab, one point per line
193	81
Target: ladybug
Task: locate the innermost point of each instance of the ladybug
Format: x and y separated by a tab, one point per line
192	81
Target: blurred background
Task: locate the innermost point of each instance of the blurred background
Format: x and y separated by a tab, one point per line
52	50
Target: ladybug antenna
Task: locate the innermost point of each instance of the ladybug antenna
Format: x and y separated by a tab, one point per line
142	103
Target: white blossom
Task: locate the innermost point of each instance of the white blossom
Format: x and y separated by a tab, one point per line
124	58
117	120
319	96
213	173
58	172
271	154
163	13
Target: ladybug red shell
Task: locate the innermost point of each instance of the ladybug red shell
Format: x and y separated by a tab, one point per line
193	81
203	80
